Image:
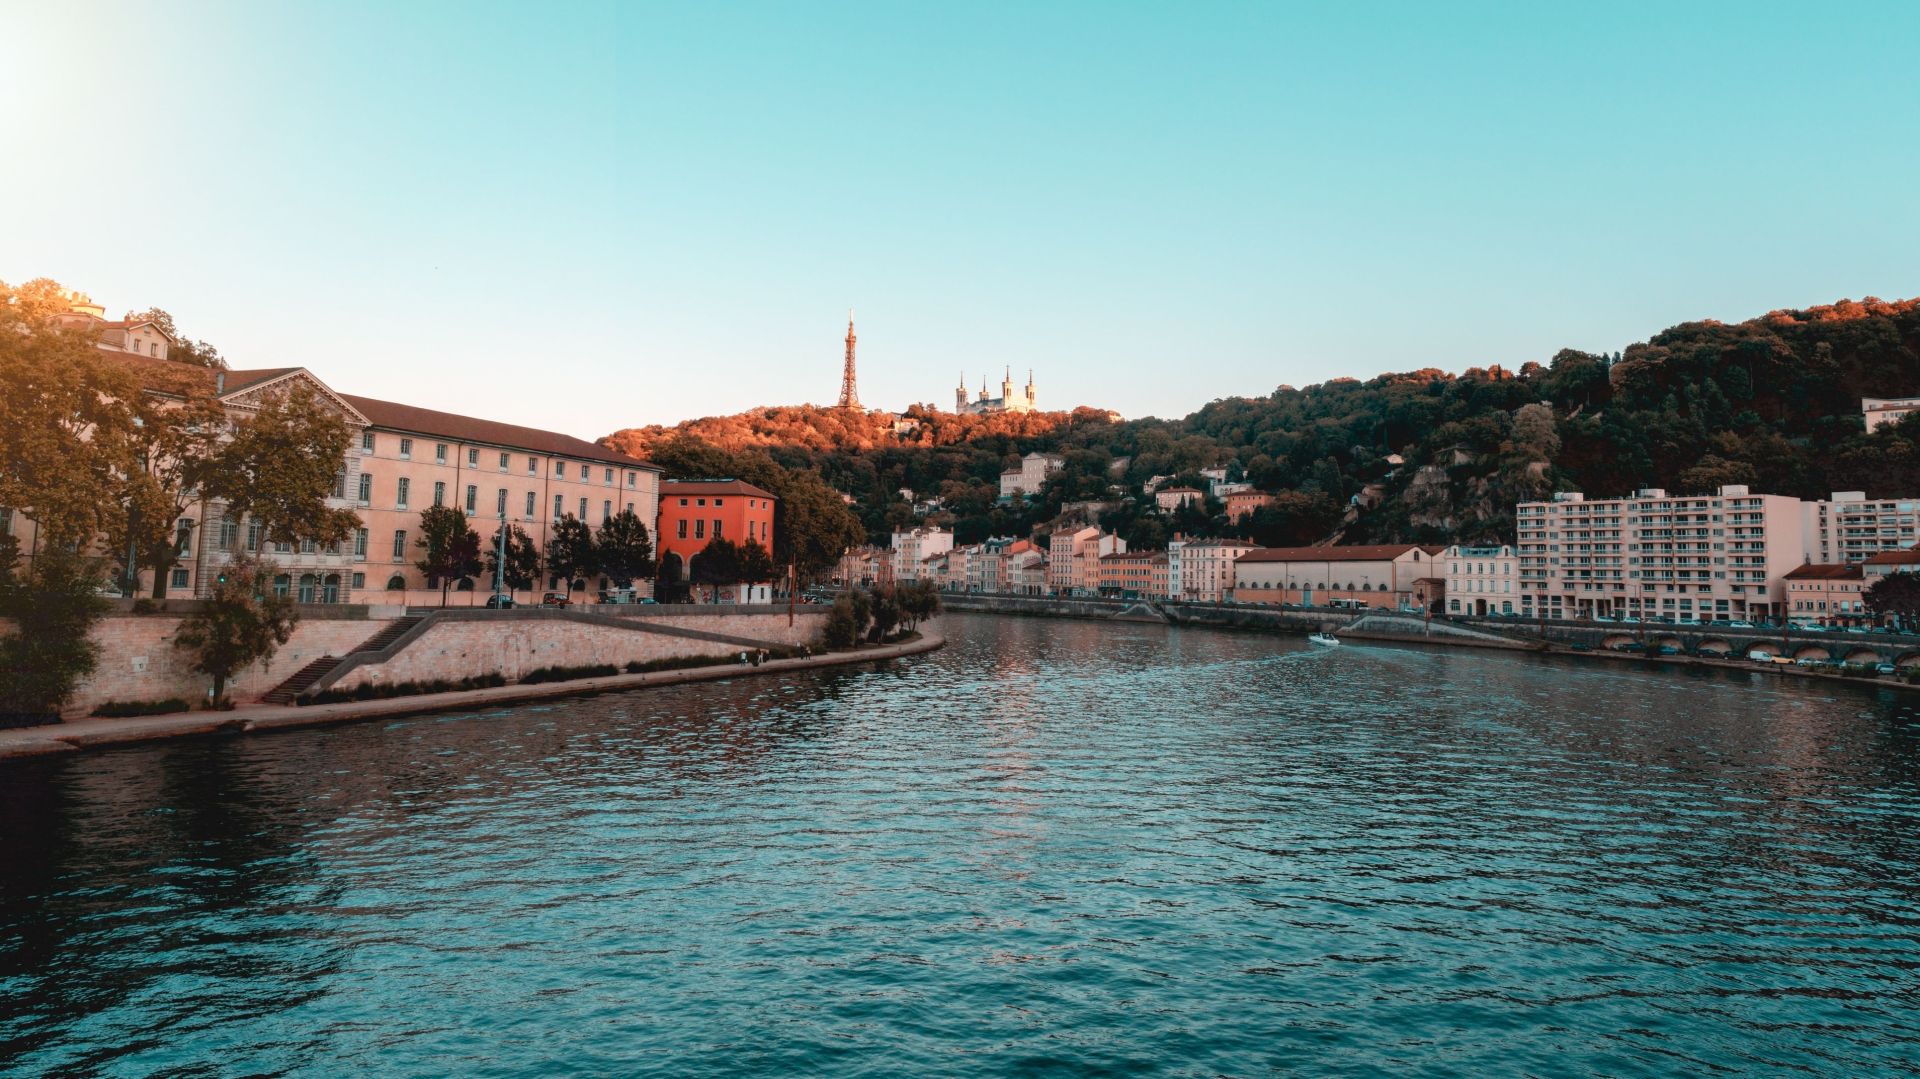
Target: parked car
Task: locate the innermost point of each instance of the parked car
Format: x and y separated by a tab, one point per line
499	601
646	599
618	595
1887	668
555	599
1760	657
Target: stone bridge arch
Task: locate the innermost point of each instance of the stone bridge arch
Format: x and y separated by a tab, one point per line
1715	646
1771	648
1668	641
1616	640
1864	654
1907	659
1811	651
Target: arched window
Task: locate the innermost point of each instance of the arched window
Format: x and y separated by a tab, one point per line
396	583
282	584
465	585
308	584
330	589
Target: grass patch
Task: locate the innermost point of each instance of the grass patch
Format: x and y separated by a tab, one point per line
123	709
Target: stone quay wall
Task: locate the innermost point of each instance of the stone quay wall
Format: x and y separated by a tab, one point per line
514	643
138	660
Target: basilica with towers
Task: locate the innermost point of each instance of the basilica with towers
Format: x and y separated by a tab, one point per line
1006	402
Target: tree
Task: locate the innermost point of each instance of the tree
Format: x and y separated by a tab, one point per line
625	550
281	465
52	606
450	548
717	563
523	560
239	624
887	614
570	552
847	620
1896	595
755	564
69	421
184	350
179	445
918	601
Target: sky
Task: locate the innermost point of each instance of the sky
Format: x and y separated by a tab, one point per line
591	216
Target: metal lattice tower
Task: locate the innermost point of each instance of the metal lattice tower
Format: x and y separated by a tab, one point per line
849	395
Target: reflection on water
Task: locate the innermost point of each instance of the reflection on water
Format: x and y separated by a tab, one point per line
1054	847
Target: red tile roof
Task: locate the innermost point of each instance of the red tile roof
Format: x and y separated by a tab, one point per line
426	421
712	487
1379	552
1823	572
1908	557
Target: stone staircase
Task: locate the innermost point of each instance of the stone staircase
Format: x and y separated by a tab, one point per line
289	690
285	692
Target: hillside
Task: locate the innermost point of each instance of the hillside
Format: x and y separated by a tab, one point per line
1773	401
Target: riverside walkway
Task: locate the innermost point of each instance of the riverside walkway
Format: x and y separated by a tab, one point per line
96	733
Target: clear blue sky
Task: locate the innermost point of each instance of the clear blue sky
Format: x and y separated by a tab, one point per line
589	216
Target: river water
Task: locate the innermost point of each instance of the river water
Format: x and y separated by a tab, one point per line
1054	848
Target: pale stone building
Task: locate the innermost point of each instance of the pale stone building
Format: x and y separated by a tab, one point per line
1207	569
1403	576
1030	475
911	549
1880	411
1850	527
1008	401
1481	581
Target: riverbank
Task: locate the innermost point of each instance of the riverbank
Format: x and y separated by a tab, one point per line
1386	627
81	734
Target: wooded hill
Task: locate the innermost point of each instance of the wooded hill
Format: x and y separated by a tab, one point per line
1773	402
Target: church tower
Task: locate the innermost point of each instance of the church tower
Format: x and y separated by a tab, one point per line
1006	388
849	395
1033	404
960	394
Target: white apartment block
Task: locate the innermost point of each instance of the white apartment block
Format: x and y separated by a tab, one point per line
1850	527
1723	555
1880	411
911	549
1031	474
1481	580
1206	573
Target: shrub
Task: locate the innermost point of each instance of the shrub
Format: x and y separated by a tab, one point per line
121	709
567	674
847	621
383	690
48	652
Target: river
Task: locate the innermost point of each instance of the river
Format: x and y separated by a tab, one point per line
1053	848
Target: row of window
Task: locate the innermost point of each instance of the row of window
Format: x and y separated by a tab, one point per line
584	470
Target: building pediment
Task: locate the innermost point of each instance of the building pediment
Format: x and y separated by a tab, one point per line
250	396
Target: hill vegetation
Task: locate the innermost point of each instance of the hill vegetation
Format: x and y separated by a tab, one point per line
1421	455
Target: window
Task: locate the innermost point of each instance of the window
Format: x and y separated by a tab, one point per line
631	477
282	584
533	466
683	528
473	497
399	544
360	543
253	535
718	502
366	488
396	583
406	449
583	509
307	583
609	480
366	441
440	453
683	502
359	580
401	489
716	528
556	507
308	546
560	469
500	503
340	484
606	511
439	493
700	529
473	458
179	578
529	505
503	462
229	532
182	537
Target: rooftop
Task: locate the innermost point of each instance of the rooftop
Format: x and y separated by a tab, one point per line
1379	552
426	421
1814	571
713	487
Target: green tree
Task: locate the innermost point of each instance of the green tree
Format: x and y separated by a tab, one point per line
280	467
717	563
570	552
847	619
69	421
625	550
887	614
523	560
52	606
450	548
1897	595
240	623
178	444
755	564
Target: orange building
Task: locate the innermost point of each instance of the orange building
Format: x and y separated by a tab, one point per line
1243	503
1134	574
694	513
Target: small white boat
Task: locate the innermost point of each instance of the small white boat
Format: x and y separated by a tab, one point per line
1327	639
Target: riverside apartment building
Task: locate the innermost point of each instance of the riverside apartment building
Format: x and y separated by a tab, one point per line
1719	556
